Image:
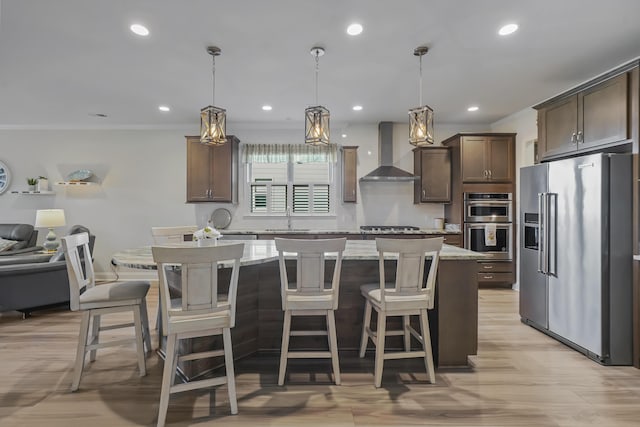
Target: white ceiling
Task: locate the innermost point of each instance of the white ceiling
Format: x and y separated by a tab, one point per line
62	61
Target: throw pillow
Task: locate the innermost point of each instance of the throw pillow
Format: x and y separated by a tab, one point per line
6	244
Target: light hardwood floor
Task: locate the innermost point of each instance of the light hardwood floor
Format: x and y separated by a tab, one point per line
520	378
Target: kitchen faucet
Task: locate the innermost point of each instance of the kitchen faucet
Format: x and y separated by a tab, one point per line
289	218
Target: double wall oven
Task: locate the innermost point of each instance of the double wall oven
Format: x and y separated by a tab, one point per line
488	224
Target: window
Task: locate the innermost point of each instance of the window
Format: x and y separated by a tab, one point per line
296	176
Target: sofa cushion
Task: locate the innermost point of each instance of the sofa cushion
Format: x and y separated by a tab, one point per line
24	234
6	244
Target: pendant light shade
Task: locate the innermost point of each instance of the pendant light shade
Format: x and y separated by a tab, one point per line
213	120
316	122
421	118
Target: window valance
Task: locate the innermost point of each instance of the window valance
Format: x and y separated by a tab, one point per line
283	153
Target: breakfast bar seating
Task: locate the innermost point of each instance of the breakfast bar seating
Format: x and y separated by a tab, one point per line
310	296
260	320
202	312
97	301
408	295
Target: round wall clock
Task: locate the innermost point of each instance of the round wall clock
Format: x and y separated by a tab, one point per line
5	177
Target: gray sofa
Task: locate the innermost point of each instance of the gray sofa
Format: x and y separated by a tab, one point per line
26	236
33	281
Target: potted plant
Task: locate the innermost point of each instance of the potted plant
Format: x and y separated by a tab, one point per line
32	183
43	183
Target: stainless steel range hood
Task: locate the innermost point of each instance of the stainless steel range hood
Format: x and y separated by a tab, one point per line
386	172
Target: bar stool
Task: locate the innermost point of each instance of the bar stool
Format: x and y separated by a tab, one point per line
97	301
309	295
202	312
409	295
164	235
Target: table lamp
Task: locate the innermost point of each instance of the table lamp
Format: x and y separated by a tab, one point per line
50	218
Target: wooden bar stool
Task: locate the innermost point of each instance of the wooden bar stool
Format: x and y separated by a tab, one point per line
309	295
97	301
202	312
179	234
409	295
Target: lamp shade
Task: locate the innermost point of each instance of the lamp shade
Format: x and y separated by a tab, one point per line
49	218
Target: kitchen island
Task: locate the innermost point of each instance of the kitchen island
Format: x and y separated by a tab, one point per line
259	316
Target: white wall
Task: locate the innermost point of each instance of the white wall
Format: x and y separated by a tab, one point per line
524	123
142	182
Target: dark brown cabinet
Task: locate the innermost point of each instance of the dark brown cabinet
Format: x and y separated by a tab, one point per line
350	174
212	171
585	119
487	158
433	166
482	163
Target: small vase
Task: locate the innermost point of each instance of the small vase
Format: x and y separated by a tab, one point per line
42	185
32	188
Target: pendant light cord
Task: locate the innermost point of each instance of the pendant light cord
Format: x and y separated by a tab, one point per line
213	93
420	83
317	71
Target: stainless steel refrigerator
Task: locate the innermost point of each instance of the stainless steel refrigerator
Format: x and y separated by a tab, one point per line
576	253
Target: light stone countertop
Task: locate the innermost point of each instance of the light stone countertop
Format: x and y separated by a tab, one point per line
262	251
357	231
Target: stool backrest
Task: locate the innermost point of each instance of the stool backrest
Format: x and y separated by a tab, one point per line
411	254
199	278
310	266
164	235
78	258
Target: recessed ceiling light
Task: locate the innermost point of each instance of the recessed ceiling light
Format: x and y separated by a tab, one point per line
508	29
101	115
354	29
357	107
473	108
139	29
164	108
267	107
344	135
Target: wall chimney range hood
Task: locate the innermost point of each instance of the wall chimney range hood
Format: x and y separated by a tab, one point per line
386	172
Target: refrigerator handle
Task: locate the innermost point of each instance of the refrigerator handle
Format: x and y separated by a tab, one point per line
541	233
552	233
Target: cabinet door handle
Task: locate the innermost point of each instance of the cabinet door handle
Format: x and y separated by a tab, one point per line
574	137
487	276
484	173
424	193
580	137
487	267
490	174
353	193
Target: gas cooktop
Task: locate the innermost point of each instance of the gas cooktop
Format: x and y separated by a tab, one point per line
388	227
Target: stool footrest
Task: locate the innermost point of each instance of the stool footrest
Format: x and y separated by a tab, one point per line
308	354
306	333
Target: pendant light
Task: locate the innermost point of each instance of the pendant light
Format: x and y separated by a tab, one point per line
316	123
213	119
421	118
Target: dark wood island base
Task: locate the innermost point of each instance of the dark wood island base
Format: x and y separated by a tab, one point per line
259	316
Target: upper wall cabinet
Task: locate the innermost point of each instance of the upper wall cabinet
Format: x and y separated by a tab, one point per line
349	174
586	118
433	167
212	171
485	157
